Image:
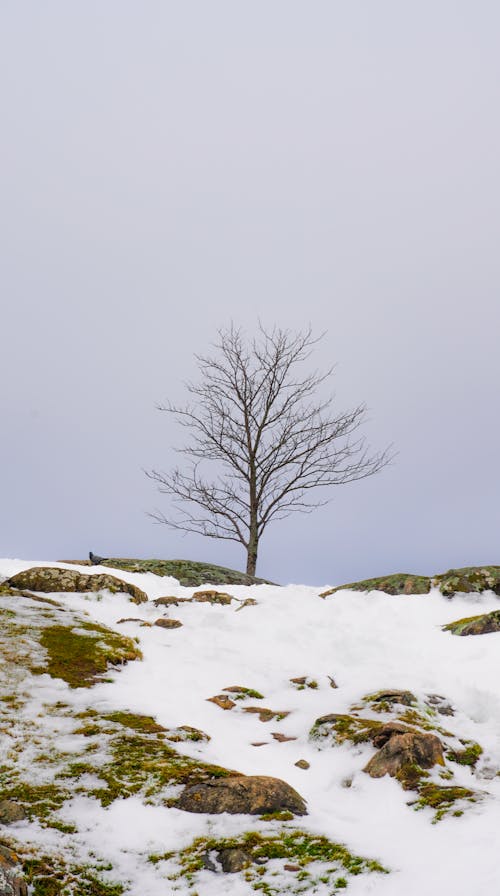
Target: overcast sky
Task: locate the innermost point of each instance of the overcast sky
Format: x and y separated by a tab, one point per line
167	167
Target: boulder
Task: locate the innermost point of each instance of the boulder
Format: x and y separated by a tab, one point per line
233	859
475	625
168	623
50	579
403	756
11	881
253	795
10	812
381	735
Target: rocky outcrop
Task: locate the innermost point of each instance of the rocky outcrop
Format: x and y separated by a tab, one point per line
50	579
11	881
475	625
187	572
252	795
399	583
468	580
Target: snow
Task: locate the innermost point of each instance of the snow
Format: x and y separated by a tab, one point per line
366	642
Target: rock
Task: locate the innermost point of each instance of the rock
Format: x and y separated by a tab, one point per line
405	698
300	680
381	735
248	602
291	867
11	881
303	763
440	704
186	732
264	714
468	580
259	743
398	583
253	795
475	625
168	623
404	755
234	859
141	622
340	728
52	579
242	692
222	700
212	597
10	812
171	601
281	738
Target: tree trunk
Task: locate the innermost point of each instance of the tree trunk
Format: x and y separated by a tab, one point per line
253	541
252	558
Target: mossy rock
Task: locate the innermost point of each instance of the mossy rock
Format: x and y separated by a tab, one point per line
49	579
398	583
475	625
188	572
468	580
341	728
386	700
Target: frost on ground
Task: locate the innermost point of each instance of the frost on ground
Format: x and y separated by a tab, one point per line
118	736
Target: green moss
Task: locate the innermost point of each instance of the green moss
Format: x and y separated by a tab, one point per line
344	728
143	763
441	798
468	756
146	724
311	853
243	693
48	877
38	800
82	659
278	816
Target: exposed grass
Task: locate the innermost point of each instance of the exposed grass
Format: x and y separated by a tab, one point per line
442	799
318	860
81	659
58	878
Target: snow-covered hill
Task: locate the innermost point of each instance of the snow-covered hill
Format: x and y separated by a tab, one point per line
60	737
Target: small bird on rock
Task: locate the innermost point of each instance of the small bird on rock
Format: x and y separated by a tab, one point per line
95	560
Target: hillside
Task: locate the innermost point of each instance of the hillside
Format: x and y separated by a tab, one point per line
159	738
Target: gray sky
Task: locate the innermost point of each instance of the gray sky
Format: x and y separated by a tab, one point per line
167	167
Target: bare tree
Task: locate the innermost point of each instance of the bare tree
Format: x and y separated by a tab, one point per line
274	441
